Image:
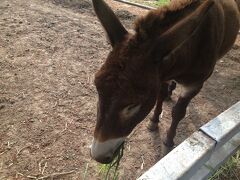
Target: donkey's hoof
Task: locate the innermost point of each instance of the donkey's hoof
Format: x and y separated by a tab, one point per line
152	126
168	144
166	150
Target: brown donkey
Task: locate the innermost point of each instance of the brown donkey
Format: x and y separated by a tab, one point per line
181	41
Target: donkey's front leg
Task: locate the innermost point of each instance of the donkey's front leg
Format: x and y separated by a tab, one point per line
179	111
163	93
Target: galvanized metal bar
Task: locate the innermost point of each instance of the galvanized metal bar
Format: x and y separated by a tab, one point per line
183	161
209	147
218	158
135	4
225	126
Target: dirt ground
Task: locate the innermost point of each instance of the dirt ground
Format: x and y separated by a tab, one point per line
49	52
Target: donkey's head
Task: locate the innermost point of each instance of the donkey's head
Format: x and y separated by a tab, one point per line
127	83
126	86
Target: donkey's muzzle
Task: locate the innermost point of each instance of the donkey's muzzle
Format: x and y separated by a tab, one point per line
103	160
104	152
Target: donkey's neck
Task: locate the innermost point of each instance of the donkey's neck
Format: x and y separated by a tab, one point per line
158	21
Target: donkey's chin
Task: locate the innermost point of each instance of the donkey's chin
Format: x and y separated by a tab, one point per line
104	160
105	152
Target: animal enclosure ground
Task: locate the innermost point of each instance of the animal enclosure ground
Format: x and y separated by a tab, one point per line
49	52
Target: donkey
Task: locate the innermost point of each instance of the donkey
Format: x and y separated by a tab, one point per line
181	41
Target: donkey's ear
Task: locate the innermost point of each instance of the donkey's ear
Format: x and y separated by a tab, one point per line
176	36
115	30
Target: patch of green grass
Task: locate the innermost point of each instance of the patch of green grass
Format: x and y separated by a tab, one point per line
161	2
152	3
110	171
107	173
85	172
230	170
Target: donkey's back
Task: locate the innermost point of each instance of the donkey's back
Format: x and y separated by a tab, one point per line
228	17
194	60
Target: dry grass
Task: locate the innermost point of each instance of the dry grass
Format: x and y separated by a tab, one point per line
230	170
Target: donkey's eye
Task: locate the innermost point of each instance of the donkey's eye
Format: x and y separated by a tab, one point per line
130	110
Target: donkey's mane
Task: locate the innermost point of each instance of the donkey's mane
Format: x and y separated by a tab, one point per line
157	21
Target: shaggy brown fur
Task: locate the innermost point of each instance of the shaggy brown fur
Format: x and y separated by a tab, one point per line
159	20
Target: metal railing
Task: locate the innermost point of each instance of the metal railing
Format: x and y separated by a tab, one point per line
203	152
135	4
